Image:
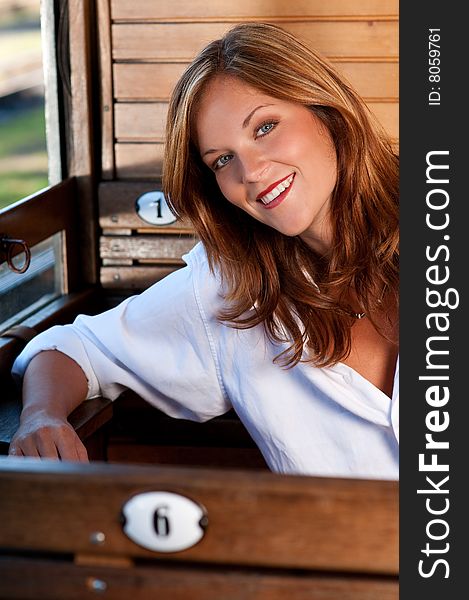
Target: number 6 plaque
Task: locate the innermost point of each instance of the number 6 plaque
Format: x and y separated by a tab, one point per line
164	521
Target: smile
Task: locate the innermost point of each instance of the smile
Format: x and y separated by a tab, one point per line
275	190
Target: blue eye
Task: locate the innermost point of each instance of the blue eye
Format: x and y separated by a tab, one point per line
265	128
222	161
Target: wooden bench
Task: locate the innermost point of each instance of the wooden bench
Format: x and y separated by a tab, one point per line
266	536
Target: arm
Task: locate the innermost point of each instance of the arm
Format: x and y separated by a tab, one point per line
53	386
155	344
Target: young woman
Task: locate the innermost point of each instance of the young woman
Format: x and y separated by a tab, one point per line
287	310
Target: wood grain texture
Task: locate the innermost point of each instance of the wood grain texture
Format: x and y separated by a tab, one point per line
158	248
80	134
133	277
155	81
259	518
142	10
181	41
139	161
106	92
29	579
117	207
139	121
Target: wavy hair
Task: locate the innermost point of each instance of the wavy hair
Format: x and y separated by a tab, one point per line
300	297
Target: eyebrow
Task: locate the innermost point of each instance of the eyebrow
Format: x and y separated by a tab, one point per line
244	125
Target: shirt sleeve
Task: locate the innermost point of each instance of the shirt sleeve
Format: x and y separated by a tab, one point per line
156	344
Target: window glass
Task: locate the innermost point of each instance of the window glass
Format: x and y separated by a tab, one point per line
23	152
23	294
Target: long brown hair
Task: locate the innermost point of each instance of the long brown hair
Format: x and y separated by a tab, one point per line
300	297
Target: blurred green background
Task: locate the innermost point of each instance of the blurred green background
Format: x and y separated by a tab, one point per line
23	153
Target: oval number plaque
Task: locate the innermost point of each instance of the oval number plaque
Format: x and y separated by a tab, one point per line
153	208
164	521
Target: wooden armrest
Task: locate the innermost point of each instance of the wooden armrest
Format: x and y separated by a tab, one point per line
87	419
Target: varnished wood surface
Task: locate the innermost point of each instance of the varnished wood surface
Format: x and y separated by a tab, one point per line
139	161
134	278
153	81
148	10
146	121
28	579
181	41
106	91
80	135
255	518
117	207
159	248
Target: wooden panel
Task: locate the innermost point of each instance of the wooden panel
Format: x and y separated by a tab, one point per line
141	10
139	161
131	80
260	518
141	121
80	135
372	80
106	94
117	208
180	42
388	115
133	278
146	121
149	82
161	248
29	579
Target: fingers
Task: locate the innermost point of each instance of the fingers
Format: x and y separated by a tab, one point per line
53	442
70	448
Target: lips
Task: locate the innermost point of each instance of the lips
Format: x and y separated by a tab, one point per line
275	190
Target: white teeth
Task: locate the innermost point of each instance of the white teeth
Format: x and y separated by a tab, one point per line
267	199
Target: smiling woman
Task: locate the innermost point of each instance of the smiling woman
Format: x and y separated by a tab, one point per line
264	155
292	189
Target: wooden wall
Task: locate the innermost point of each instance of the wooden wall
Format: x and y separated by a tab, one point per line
145	45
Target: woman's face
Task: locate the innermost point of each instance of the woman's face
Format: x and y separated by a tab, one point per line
272	158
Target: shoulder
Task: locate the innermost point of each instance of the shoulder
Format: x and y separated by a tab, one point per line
206	282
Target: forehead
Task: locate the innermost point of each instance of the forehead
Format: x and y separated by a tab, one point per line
226	102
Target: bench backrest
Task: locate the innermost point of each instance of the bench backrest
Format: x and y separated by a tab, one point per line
265	535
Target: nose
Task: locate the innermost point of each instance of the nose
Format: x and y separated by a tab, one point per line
253	166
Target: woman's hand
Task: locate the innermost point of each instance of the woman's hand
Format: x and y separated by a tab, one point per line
53	386
46	436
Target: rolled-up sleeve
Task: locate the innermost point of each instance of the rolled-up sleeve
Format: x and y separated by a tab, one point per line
156	344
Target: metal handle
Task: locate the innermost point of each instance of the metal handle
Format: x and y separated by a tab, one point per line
7	246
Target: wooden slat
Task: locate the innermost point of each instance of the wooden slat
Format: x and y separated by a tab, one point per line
131	80
147	121
141	121
152	82
145	161
262	519
81	137
117	208
388	115
106	94
157	248
139	161
29	579
141	10
133	278
181	41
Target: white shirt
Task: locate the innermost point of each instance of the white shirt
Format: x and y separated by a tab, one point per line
168	346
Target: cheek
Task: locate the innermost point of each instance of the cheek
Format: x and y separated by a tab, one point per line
232	191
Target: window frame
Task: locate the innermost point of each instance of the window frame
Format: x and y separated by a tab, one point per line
69	204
